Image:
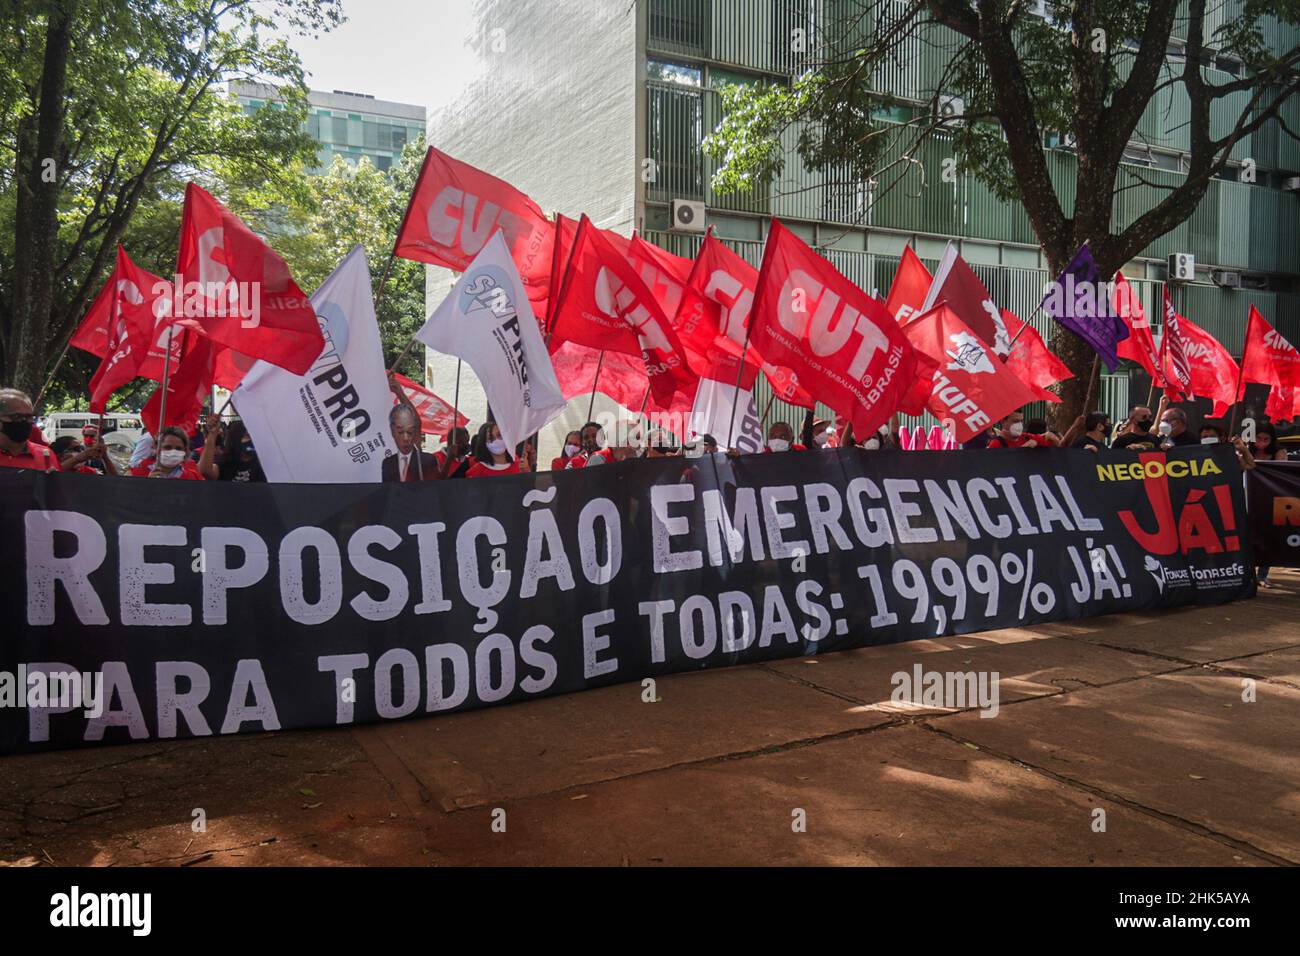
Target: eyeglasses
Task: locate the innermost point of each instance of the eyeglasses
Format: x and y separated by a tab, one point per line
18	417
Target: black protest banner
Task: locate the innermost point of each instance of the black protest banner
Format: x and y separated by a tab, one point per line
1273	499
198	608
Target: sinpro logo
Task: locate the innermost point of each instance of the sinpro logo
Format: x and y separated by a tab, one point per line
334	323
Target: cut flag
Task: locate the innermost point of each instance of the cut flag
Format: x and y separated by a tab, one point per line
245	298
487	320
841	343
454	209
1078	301
971	388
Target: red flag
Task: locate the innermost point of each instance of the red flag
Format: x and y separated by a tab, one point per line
605	305
723	285
1283	403
1267	357
436	416
128	289
453	212
1031	360
1174	366
1213	372
956	284
245	298
665	275
908	290
1140	346
845	348
972	387
187	388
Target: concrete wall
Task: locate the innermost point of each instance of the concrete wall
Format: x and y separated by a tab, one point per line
564	136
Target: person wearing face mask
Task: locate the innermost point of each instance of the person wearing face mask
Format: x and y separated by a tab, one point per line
572	445
1096	429
454	460
1173	430
238	456
823	434
780	438
1211	434
591	452
173	458
17	447
76	457
1137	433
491	457
1011	434
1265	446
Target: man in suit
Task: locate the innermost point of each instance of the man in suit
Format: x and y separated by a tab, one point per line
410	463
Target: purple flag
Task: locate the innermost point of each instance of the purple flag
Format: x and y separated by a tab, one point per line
1080	301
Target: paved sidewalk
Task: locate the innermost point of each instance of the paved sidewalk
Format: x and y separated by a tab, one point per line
1139	715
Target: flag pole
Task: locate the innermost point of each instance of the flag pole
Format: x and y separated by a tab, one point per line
36	406
379	296
767	408
591	406
162	403
735	395
1092	377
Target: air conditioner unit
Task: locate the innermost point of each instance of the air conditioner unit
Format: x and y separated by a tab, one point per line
950	107
1291	184
688	216
1182	267
1226	278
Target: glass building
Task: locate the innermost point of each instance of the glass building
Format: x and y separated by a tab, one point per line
346	124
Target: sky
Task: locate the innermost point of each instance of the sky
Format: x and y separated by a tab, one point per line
393	50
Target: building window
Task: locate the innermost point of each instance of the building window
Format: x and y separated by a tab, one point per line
677	73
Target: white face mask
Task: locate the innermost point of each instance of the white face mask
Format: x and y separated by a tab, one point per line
1016	430
1210	440
778	444
497	447
1166	428
171	457
821	439
872	444
571	450
694	451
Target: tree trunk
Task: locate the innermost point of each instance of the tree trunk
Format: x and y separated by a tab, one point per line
36	225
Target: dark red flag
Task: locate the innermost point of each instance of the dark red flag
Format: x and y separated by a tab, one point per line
957	284
1140	346
845	348
971	388
1174	366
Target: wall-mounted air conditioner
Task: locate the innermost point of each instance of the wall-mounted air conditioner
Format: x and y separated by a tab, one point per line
688	215
1182	267
1226	278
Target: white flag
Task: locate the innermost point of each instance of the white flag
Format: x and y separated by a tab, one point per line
720	412
330	425
487	321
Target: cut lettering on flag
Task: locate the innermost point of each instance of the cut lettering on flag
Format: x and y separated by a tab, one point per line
454	209
722	285
1140	345
1174	365
1267	357
238	292
605	305
971	388
329	425
487	320
911	285
845	348
1032	361
1079	301
437	417
956	284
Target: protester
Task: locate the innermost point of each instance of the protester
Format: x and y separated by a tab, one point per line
1096	429
1136	434
780	437
411	462
1037	435
1173	429
173	459
823	434
238	456
592	453
1212	434
572	445
491	457
454	459
1265	446
90	436
16	420
77	457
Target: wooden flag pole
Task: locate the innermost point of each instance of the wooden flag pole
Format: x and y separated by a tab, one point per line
1092	377
591	406
735	395
162	404
36	405
762	424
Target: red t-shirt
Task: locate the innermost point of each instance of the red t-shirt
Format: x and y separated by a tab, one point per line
793	447
581	458
441	458
559	464
36	457
189	470
481	470
1007	441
